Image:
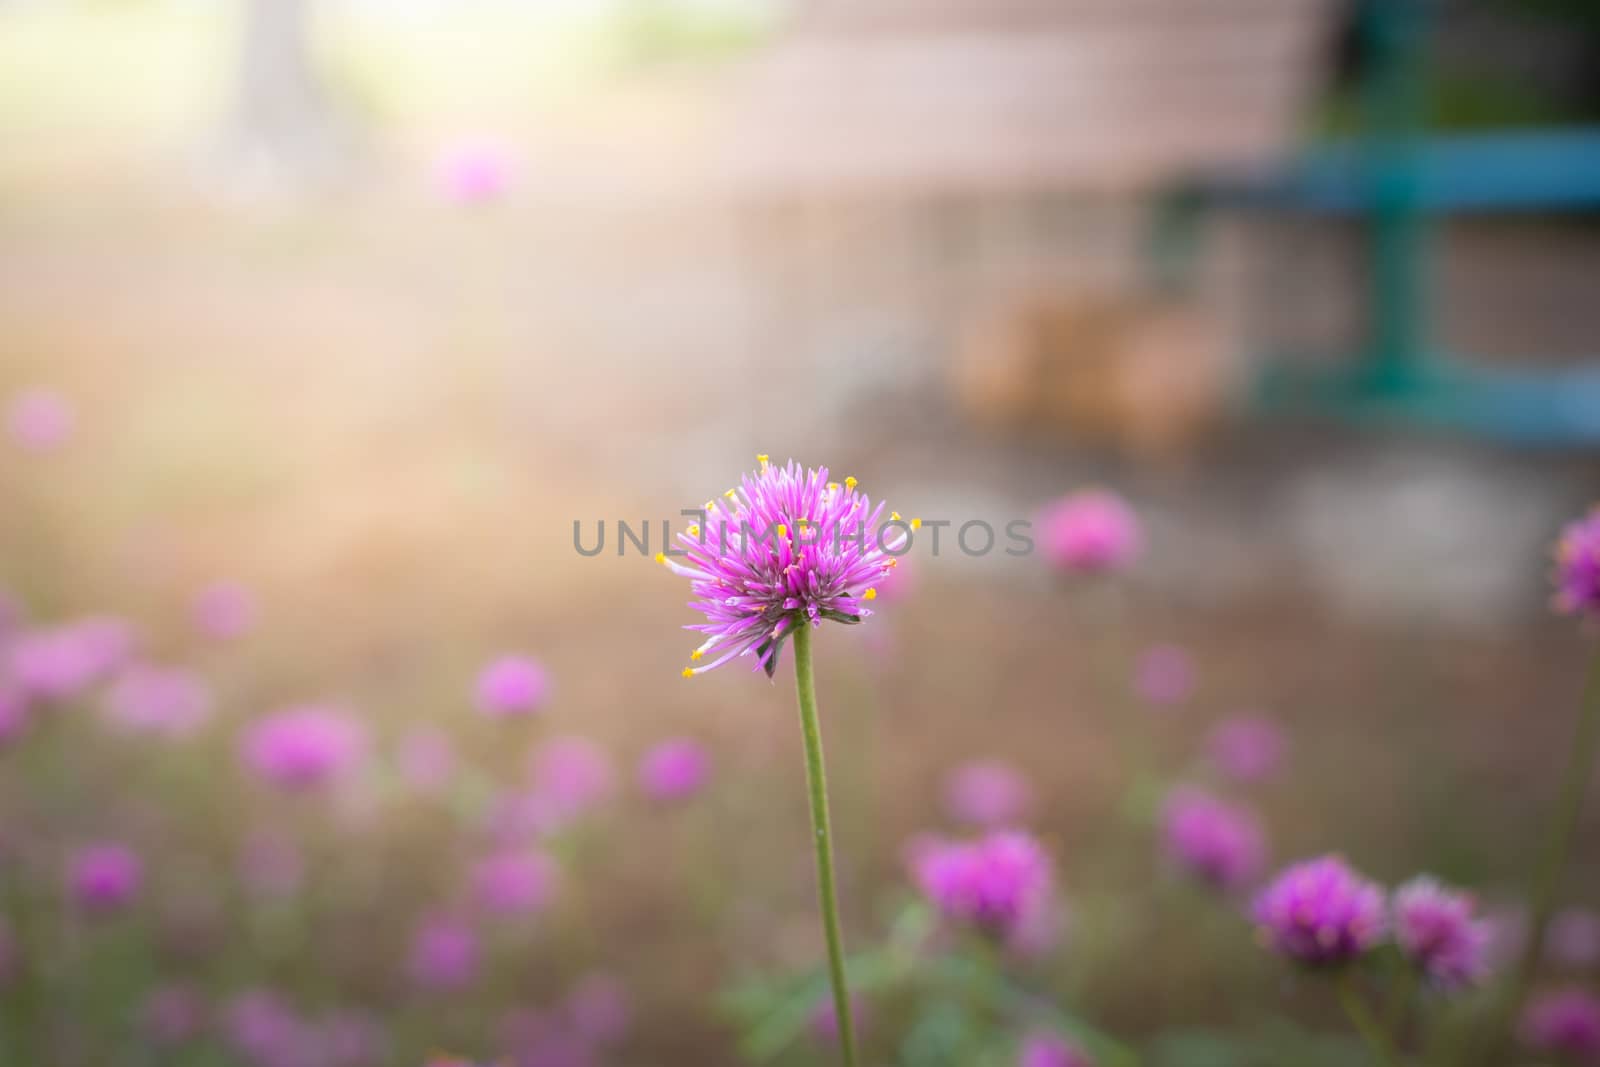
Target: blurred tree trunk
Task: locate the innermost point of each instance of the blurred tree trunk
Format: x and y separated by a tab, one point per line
284	125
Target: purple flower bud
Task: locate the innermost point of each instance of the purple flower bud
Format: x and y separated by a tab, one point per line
304	747
996	883
1566	1022
1215	842
1051	1050
1320	912
512	686
104	877
1090	532
1247	748
675	770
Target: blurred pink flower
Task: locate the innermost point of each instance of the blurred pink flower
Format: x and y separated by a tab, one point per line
1165	675
475	170
153	700
1216	842
987	794
263	1029
1321	912
1566	1022
444	954
1051	1050
675	769
426	759
598	1008
224	610
1436	929
13	715
571	774
271	864
1247	748
61	662
1090	532
174	1014
996	883
514	882
104	877
1574	939
304	747
39	419
511	686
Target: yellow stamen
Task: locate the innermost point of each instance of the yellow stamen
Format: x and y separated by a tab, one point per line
696	654
694	530
661	557
850	482
688	672
894	561
834	486
762	459
729	494
870	594
916	524
894	516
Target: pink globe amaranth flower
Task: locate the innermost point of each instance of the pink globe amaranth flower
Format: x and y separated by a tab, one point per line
426	760
104	877
598	1009
514	882
987	794
304	747
475	170
271	864
571	775
1436	930
512	686
1247	748
13	715
166	702
174	1014
1565	1022
1165	675
1320	912
823	1021
1577	573
675	770
224	611
1214	841
1573	939
785	547
1041	1049
444	954
39	419
61	662
995	883
1090	532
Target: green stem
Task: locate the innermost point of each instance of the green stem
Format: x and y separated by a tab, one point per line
817	780
1558	845
1365	1022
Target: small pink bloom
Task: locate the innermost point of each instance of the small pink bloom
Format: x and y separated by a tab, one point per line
444	954
61	662
987	794
675	769
152	700
1090	532
1436	929
1247	748
514	882
1051	1050
995	883
512	686
104	877
1215	842
304	747
572	775
1565	1022
224	611
1165	675
39	419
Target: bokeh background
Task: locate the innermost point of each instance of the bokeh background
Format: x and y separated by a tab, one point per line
359	305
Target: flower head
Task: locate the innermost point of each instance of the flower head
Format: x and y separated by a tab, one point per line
304	747
675	770
784	548
224	610
1565	1022
988	794
997	883
444	954
570	776
1090	532
1320	912
1043	1049
1436	930
153	700
1577	575
61	662
1216	842
1247	748
513	882
39	419
104	877
511	686
1165	675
